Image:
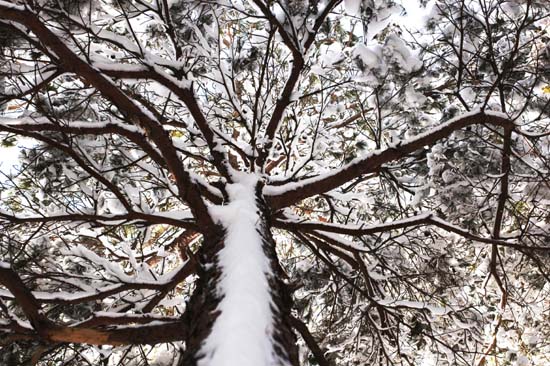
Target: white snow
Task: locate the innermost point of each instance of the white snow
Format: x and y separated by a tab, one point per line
272	190
63	295
111	314
112	268
435	310
353	7
9	5
331	226
401	54
241	334
370	56
175	214
414	97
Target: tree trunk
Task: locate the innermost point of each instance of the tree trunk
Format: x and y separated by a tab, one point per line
206	302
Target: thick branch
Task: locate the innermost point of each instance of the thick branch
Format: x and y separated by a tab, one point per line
310	341
425	219
292	193
64	298
147	334
186	95
50	332
105	219
22	294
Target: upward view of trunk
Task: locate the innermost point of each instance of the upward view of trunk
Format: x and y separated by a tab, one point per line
150	149
239	312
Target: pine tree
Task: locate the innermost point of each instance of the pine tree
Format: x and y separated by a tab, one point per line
274	183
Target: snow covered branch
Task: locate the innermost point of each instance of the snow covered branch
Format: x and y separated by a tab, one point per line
291	193
71	62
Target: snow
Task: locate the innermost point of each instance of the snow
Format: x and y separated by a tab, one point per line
6	4
370	56
414	97
66	296
277	190
271	190
115	270
42	121
241	334
175	214
401	54
112	66
495	113
203	182
336	227
353	7
332	55
110	314
435	310
4	265
416	15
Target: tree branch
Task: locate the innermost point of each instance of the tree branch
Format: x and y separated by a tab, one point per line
291	193
71	62
298	64
22	294
147	334
312	344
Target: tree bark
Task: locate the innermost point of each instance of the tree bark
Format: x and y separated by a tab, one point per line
284	336
201	312
203	307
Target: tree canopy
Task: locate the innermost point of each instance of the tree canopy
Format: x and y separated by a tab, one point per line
269	183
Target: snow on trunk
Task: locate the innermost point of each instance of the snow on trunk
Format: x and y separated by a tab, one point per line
241	289
242	333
